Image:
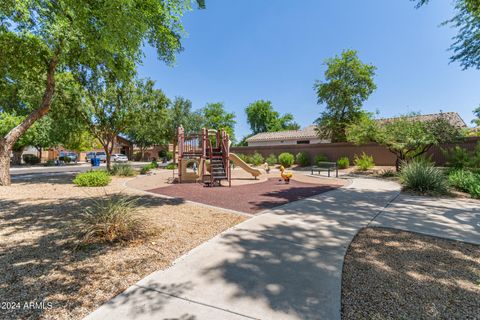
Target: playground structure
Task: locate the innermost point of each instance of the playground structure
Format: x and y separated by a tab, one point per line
206	158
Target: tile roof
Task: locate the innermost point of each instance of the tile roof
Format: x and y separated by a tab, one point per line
452	117
310	133
306	133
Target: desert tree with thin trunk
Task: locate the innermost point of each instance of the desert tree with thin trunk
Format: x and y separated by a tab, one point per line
41	39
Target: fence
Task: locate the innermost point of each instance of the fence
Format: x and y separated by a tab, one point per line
333	151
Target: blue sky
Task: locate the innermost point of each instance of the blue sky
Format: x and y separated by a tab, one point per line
237	52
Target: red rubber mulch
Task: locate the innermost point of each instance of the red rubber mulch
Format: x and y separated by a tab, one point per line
250	198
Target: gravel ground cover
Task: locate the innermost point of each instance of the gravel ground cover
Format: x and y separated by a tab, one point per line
392	274
250	198
39	262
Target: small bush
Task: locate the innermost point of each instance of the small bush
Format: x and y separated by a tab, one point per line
243	157
257	159
154	164
286	159
169	155
162	153
271	159
422	176
98	178
171	166
365	162
387	173
343	163
302	159
109	220
457	157
123	170
31	159
49	163
465	181
320	158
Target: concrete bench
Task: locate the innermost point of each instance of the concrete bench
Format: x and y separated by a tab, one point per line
325	166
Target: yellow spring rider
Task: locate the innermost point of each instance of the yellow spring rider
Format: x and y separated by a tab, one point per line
286	176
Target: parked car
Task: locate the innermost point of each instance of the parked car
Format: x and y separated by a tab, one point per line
99	155
71	155
118	157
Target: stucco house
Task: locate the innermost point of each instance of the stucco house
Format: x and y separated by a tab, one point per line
309	135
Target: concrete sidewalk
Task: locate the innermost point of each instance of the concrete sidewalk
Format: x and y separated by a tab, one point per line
284	264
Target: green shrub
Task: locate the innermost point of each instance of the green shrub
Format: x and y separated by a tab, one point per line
343	163
243	157
169	155
365	162
109	220
422	176
31	159
257	159
123	170
98	178
162	153
465	181
302	159
49	163
320	158
286	159
271	159
171	166
460	158
154	164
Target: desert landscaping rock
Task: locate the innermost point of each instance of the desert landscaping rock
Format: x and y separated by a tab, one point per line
392	274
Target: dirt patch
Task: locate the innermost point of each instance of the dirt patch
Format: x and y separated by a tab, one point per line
37	255
392	274
250	198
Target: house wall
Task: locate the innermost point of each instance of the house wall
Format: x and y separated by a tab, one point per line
333	151
282	142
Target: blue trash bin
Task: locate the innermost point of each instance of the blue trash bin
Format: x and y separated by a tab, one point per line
95	162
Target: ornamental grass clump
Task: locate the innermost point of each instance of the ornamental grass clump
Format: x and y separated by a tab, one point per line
98	178
364	162
123	170
112	219
423	177
343	163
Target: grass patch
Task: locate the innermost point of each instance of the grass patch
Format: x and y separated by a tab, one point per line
123	170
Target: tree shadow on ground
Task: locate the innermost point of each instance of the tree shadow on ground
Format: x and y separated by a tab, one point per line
43	264
390	272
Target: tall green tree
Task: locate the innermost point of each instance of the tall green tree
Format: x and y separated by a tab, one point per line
476	121
180	113
109	109
78	37
466	43
216	117
348	84
149	126
407	137
263	118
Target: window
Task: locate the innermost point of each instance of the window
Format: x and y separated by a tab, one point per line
303	142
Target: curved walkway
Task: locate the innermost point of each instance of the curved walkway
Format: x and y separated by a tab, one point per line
283	264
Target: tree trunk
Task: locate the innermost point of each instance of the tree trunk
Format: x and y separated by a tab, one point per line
108	151
40	154
142	153
6	144
4	165
174	158
17	157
